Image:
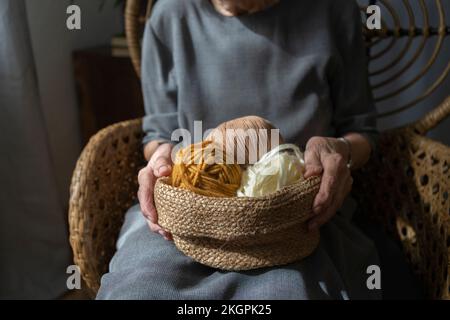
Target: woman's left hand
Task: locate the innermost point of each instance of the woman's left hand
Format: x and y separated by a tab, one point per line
328	157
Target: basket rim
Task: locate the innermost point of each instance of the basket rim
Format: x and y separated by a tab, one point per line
312	182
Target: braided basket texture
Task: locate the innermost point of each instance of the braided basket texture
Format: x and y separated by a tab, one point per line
240	233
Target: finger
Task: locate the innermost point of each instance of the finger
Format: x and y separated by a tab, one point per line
153	227
334	172
313	164
145	195
321	219
325	195
324	216
157	229
166	235
336	204
162	166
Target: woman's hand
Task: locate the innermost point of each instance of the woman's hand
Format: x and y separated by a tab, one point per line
159	165
328	157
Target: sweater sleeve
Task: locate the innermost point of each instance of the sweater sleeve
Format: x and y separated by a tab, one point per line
159	88
354	109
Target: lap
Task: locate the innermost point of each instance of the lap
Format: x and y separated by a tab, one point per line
146	266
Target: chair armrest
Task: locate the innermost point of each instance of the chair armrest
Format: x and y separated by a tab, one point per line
405	186
104	186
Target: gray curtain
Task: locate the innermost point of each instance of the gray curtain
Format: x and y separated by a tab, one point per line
34	252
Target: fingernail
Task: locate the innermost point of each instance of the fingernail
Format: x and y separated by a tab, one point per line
162	233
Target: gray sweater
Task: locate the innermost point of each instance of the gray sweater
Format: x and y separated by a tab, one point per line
300	64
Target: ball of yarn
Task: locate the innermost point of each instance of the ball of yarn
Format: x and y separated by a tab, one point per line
279	168
196	170
213	167
245	140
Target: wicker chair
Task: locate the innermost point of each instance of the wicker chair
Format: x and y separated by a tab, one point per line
409	195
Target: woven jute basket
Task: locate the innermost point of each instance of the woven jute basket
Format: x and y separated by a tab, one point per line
240	233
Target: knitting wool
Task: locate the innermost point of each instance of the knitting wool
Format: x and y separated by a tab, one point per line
195	170
214	166
279	168
245	140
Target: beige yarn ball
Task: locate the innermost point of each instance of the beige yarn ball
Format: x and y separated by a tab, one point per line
245	140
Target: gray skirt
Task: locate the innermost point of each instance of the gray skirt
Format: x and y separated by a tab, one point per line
146	266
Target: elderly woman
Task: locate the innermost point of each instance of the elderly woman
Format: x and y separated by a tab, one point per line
300	64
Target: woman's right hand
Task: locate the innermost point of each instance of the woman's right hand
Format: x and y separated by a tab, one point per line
159	165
